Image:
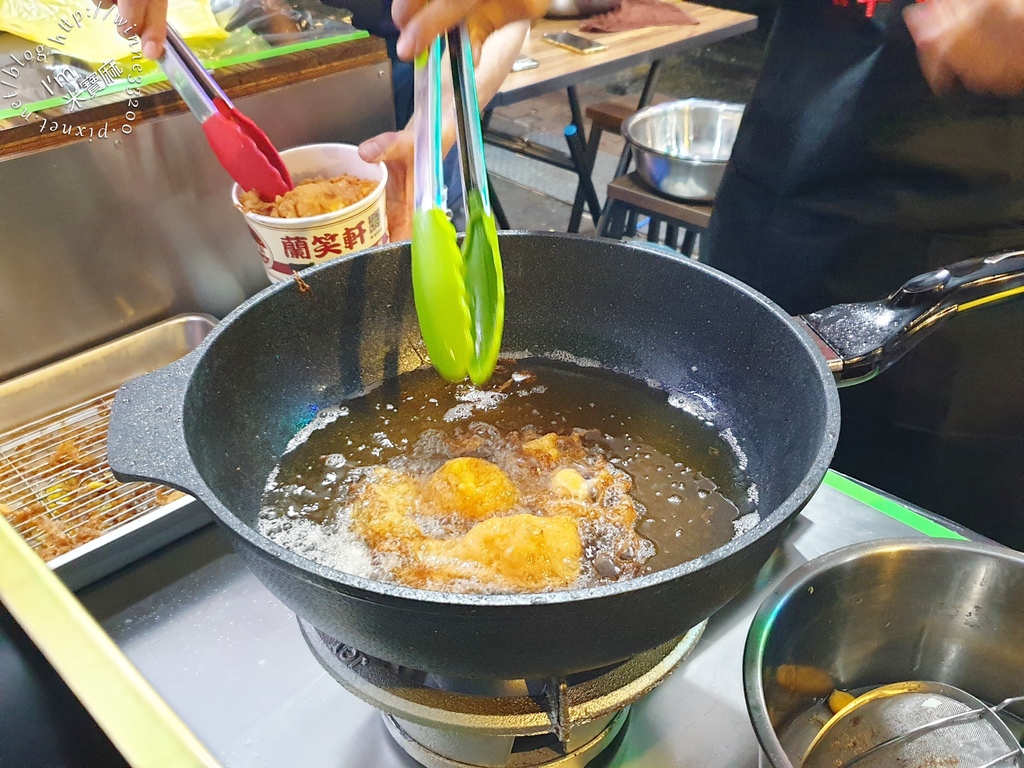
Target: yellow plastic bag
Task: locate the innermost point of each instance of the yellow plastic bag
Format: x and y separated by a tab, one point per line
75	28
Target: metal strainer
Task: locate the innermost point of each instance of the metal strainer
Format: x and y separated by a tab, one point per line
916	725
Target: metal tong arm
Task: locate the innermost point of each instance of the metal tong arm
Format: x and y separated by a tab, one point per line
429	189
467	112
188	76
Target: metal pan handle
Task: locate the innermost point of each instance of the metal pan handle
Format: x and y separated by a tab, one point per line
146	439
862	340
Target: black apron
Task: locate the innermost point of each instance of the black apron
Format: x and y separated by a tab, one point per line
848	176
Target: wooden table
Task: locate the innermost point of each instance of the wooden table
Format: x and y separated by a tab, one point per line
560	69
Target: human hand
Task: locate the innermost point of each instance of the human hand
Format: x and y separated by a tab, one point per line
145	18
975	42
421	21
395	149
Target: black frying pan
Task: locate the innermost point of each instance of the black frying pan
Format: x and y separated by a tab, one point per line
215	423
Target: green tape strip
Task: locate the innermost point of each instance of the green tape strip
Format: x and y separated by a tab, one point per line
284	50
888	507
230	61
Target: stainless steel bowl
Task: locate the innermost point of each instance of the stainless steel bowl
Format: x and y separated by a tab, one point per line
568	9
884	612
682	147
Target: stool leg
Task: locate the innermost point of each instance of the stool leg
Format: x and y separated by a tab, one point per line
689	240
671	235
631	223
606	224
653	230
619	223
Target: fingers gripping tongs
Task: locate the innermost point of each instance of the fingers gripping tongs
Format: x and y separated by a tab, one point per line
242	148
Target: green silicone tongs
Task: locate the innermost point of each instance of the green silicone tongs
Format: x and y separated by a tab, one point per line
485	284
460	295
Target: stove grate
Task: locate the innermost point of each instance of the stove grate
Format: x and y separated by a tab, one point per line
56	487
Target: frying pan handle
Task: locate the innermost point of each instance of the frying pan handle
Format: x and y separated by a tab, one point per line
146	438
862	340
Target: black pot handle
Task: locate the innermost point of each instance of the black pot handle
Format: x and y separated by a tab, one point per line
146	439
862	340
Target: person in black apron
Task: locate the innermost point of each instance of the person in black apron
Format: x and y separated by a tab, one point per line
848	176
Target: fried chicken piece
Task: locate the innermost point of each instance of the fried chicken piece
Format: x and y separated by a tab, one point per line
471	488
380	511
522	553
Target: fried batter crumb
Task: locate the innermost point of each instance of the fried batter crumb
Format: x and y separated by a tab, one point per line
311	197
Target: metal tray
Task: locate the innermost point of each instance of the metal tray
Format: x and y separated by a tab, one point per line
54	478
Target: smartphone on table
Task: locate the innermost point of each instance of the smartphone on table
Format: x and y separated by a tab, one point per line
574	43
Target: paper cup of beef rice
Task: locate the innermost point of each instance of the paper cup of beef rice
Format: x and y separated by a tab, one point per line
336	208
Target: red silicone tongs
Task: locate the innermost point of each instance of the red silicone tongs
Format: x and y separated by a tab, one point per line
241	147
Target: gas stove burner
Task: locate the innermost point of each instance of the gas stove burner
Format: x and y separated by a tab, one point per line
476	723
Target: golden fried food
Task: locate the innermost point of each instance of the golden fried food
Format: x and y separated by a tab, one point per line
68	451
519	527
311	197
471	488
521	553
380	513
805	679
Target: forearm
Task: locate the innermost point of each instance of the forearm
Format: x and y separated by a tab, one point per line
499	52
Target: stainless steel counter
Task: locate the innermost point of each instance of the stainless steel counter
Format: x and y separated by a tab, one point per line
229	658
98	238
